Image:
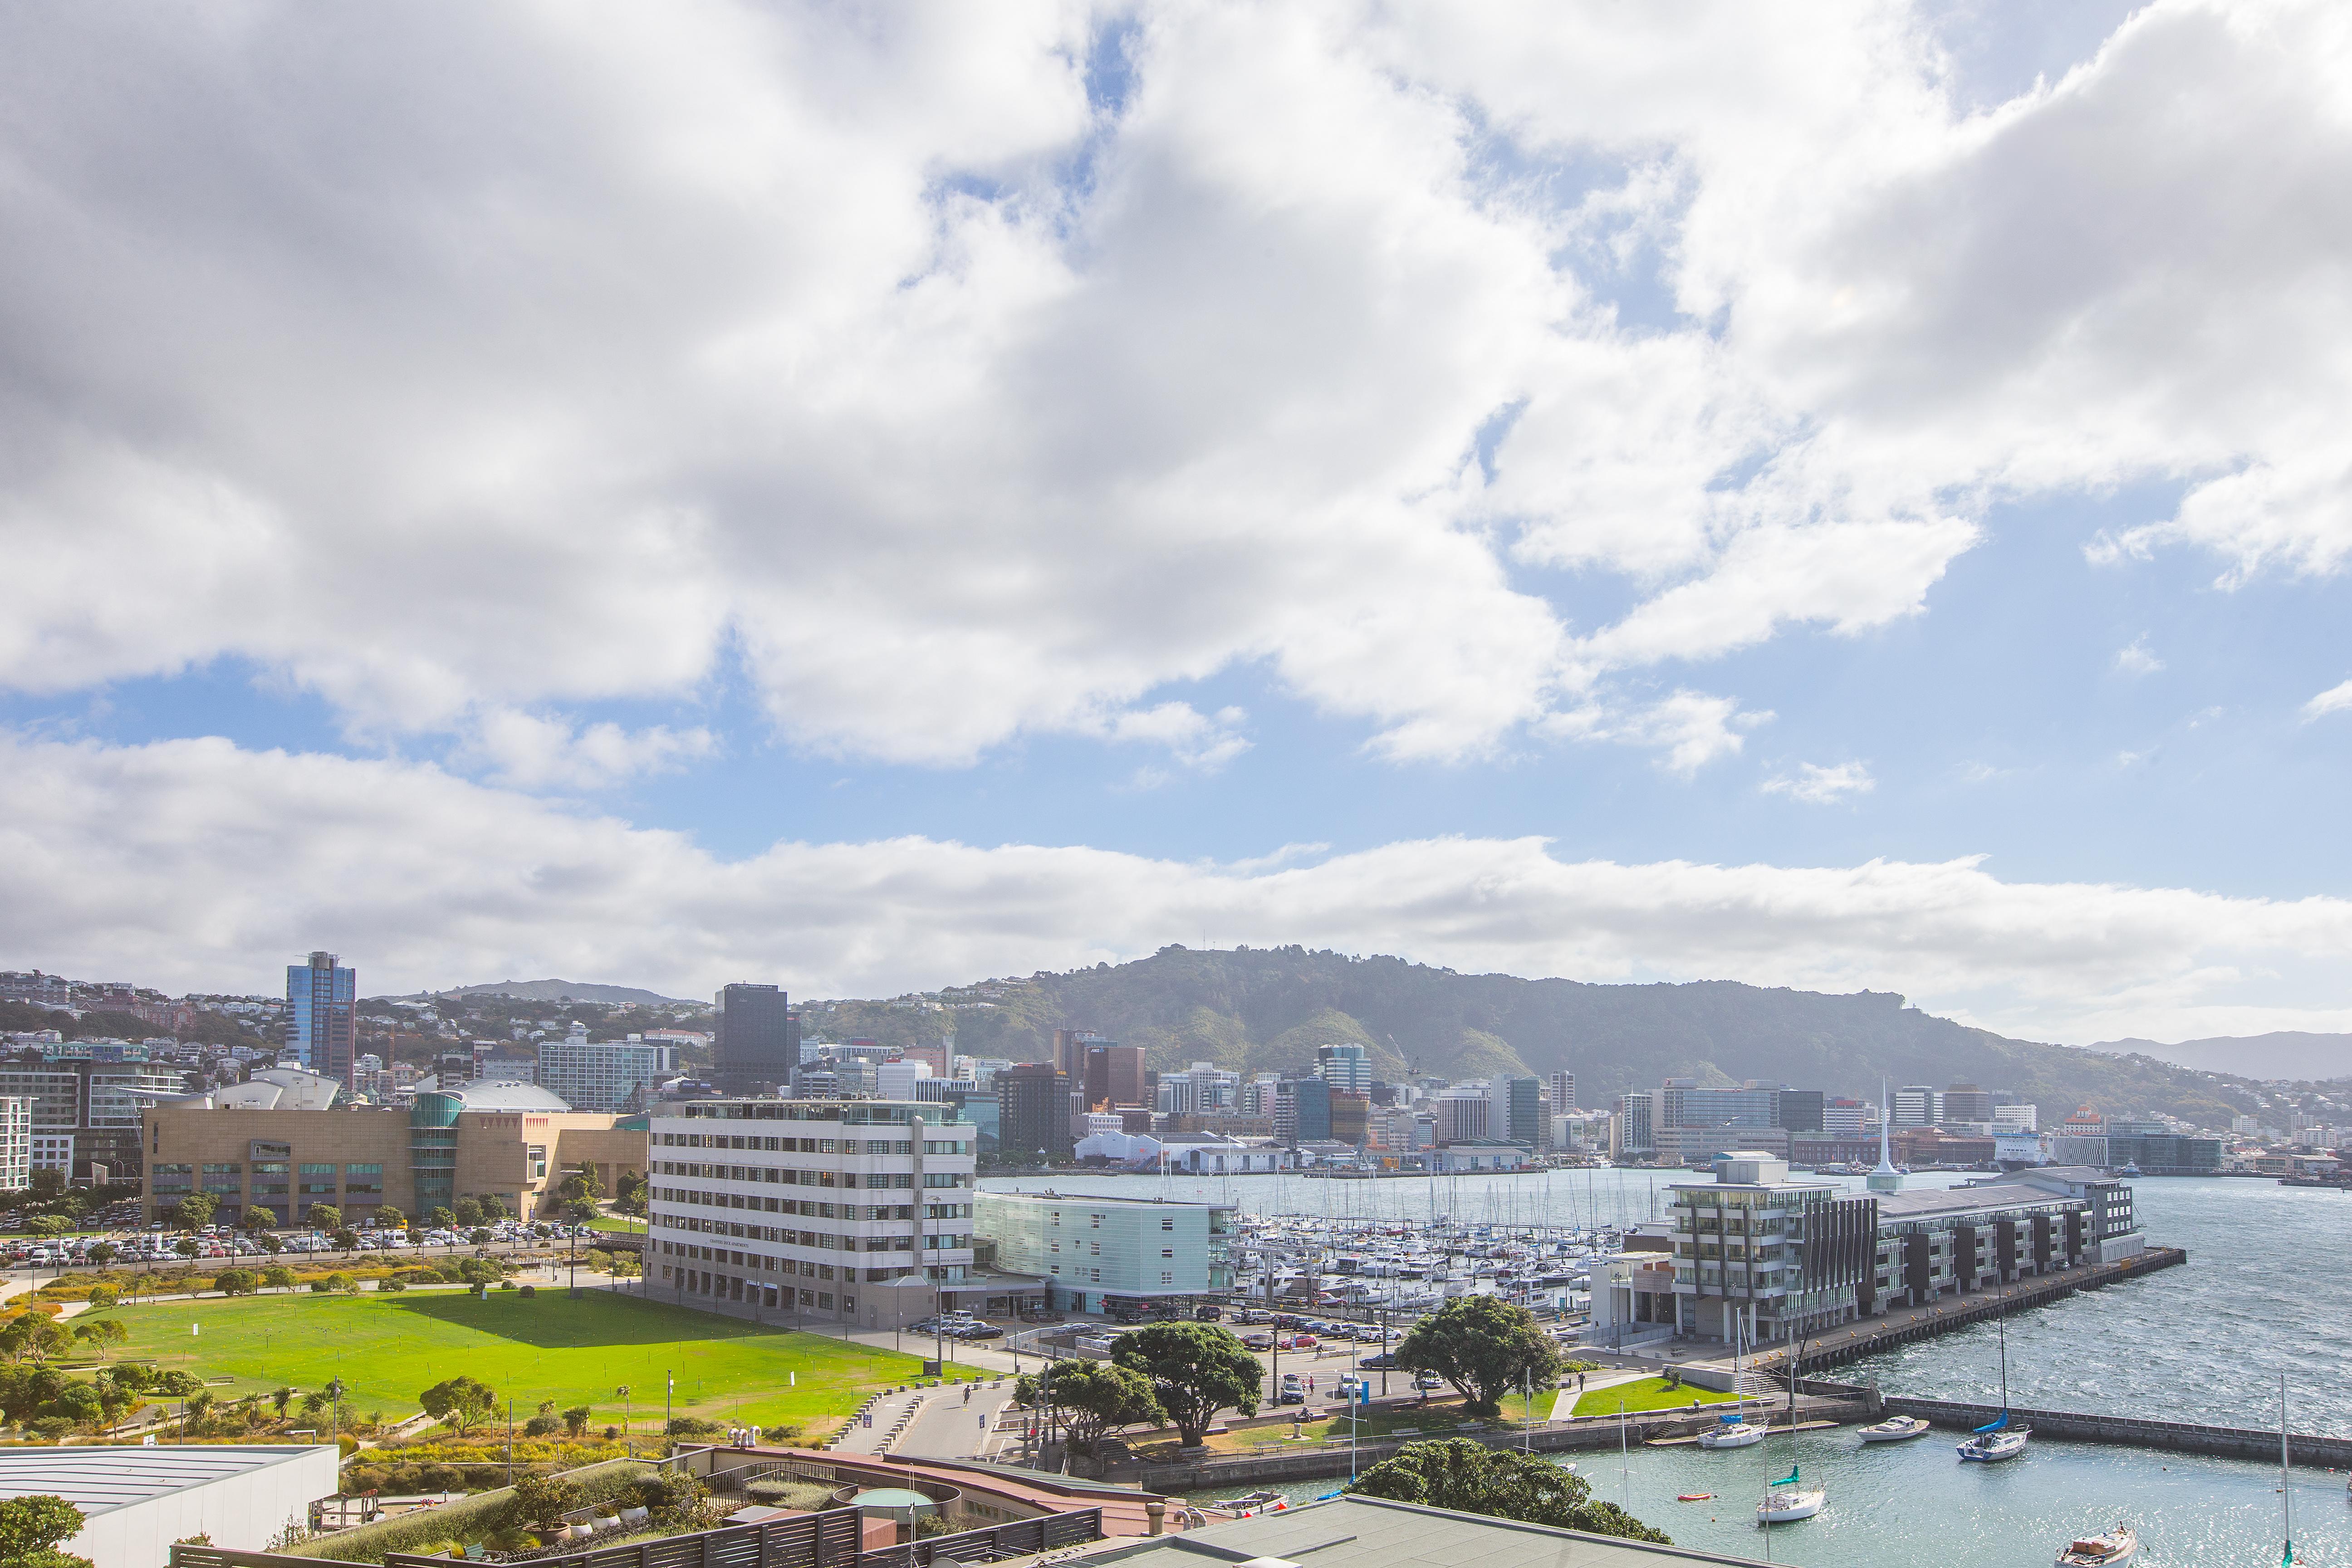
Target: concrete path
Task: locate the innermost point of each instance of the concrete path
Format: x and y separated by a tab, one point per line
951	1427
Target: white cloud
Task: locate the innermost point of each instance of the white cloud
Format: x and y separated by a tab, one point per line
191	863
2137	660
1816	785
532	751
2334	700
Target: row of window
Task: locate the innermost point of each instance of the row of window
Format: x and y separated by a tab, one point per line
822	1241
788	1176
751	1145
1094	1276
814	1208
1094	1248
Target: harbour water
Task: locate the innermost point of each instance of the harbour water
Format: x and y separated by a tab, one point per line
2265	1291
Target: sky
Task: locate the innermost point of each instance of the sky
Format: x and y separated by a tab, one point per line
872	498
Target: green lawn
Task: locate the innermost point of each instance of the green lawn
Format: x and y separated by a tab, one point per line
1436	1419
620	1225
1650	1393
387	1349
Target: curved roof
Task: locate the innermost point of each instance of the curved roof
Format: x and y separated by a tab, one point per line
504	1097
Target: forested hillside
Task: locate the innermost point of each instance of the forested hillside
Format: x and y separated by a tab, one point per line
1266	1009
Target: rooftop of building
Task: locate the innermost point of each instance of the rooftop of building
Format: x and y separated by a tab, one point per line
501	1095
1092	1201
1372	1532
1920	1202
771	1108
95	1479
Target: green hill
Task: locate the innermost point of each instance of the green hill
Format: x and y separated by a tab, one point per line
1261	1009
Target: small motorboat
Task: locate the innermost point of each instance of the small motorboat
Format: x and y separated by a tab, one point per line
1247	1503
2116	1546
1732	1432
1991	1447
1694	1496
1895	1429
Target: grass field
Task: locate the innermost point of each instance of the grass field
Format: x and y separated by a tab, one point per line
1650	1393
1436	1419
388	1348
618	1225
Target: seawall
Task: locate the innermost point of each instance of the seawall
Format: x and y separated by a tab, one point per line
2176	1436
1874	1335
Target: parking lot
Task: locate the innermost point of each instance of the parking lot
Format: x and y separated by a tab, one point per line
117	1245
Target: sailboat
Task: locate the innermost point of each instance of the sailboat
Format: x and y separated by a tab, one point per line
1788	1497
1734	1431
1996	1440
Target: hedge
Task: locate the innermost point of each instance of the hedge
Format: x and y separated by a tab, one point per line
469	1517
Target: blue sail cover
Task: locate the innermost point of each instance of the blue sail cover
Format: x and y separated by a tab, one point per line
1733	1419
1995	1425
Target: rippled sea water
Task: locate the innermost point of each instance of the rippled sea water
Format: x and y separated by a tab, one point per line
2267	1290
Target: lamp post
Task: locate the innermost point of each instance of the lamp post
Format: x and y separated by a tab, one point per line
628	1440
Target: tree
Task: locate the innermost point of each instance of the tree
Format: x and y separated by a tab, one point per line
1094	1398
236	1282
582	1186
272	1245
459	1402
494	1209
186	1247
196	1211
1484	1347
102	1297
48	1337
281	1397
345	1237
1470	1478
629	1193
99	1333
257	1219
45	1228
1196	1370
541	1501
440	1219
468	1213
104	1253
575	1421
30	1529
324	1216
25	1390
277	1276
390	1219
479	1236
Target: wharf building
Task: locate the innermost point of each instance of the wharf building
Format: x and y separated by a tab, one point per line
1755	1251
288	1153
856	1211
1112	1255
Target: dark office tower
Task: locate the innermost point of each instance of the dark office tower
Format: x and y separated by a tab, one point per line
1070	1052
1114	1074
1523	1110
1802	1110
759	1040
1967	1103
321	996
1032	1112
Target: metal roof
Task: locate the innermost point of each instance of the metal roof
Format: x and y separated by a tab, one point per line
1372	1532
95	1479
506	1097
1961	1200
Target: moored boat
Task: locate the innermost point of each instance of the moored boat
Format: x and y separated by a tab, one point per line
1895	1429
1732	1432
1991	1447
2116	1546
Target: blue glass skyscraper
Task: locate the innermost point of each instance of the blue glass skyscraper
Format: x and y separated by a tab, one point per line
322	995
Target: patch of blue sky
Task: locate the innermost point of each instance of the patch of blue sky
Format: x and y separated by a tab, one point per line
232	698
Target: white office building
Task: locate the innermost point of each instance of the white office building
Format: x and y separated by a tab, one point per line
604	1075
1344	1066
16	1144
821	1208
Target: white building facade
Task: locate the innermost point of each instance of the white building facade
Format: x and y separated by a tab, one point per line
602	1075
812	1207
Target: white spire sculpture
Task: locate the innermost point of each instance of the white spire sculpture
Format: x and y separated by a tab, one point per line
1886	1178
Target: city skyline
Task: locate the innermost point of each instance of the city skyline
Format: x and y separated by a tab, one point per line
1849	500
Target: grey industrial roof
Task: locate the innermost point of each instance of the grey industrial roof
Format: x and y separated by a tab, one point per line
95	1479
1372	1532
506	1097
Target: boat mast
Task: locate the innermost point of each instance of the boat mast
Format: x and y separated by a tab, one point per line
2286	1482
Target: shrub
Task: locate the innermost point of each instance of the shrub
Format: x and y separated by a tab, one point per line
469	1519
389	1287
530	1291
694	1426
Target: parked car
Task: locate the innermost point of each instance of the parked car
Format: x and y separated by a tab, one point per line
1292	1390
1258	1341
1385	1361
1429	1382
1208	1314
982	1332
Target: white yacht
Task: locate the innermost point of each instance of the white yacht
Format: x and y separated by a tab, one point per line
2118	1546
1895	1429
1732	1432
1790	1498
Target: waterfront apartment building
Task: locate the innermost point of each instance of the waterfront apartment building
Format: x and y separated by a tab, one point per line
1756	1249
1632	1131
1519	1116
1563	1093
322	1002
602	1075
858	1211
514	1143
758	1041
1302	1110
1105	1255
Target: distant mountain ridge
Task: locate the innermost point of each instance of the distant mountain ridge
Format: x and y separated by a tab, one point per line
556	991
2283	1054
1259	1009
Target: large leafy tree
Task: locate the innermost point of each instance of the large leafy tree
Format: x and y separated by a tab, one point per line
459	1403
1484	1347
196	1211
30	1529
1470	1478
1093	1398
1196	1370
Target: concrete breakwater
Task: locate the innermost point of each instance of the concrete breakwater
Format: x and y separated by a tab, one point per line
1310	1461
1872	1336
2176	1436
